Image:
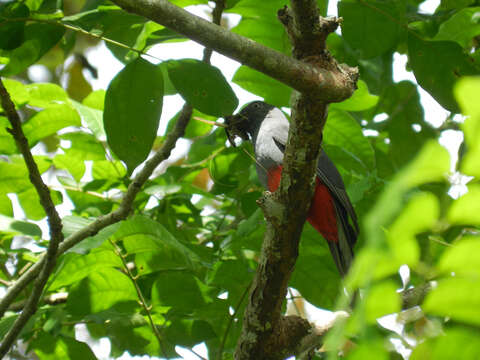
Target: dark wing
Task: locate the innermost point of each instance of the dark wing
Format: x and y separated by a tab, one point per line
329	175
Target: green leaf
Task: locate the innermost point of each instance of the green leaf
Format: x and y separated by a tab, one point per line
30	203
342	130
316	276
195	128
100	291
273	92
462	27
7	144
466	92
371	350
233	276
187	332
455	4
205	146
382	299
402	102
44	95
203	86
361	99
92	117
437	65
12	33
133	105
463	258
95	100
365	21
259	23
156	248
75	267
418	215
179	290
466	209
431	164
48	347
457	298
453	343
39	38
17	90
112	23
19	227
47	122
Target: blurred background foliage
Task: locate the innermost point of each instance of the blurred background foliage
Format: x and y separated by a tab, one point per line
186	256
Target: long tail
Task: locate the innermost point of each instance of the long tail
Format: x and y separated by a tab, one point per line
330	219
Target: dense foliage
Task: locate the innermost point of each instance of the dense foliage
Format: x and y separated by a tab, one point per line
177	271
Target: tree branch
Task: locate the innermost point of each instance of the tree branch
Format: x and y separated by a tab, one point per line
266	334
322	84
54	221
106	220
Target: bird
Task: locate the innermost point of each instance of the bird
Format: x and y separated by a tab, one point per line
331	212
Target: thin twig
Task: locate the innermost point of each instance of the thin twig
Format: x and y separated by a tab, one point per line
82	31
53	219
209	122
141	298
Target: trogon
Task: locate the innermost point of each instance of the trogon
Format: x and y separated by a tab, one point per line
331	212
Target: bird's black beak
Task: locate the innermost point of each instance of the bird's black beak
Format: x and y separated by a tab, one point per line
234	128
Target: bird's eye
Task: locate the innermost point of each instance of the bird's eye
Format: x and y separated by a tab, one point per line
256	105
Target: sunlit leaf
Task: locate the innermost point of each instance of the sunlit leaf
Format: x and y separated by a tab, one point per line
457	298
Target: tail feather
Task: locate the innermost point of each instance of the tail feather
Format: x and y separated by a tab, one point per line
342	249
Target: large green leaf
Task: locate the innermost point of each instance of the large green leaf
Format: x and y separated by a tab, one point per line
344	131
463	259
112	23
47	122
101	290
259	23
418	215
12	33
466	209
462	27
39	38
360	100
44	95
202	86
382	299
453	343
372	27
273	92
402	102
75	267
179	290
457	298
155	247
316	276
133	105
437	65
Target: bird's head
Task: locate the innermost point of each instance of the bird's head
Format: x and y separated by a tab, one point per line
247	120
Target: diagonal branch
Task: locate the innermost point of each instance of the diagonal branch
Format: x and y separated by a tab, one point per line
320	83
54	221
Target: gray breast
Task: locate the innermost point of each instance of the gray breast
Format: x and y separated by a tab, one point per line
273	129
